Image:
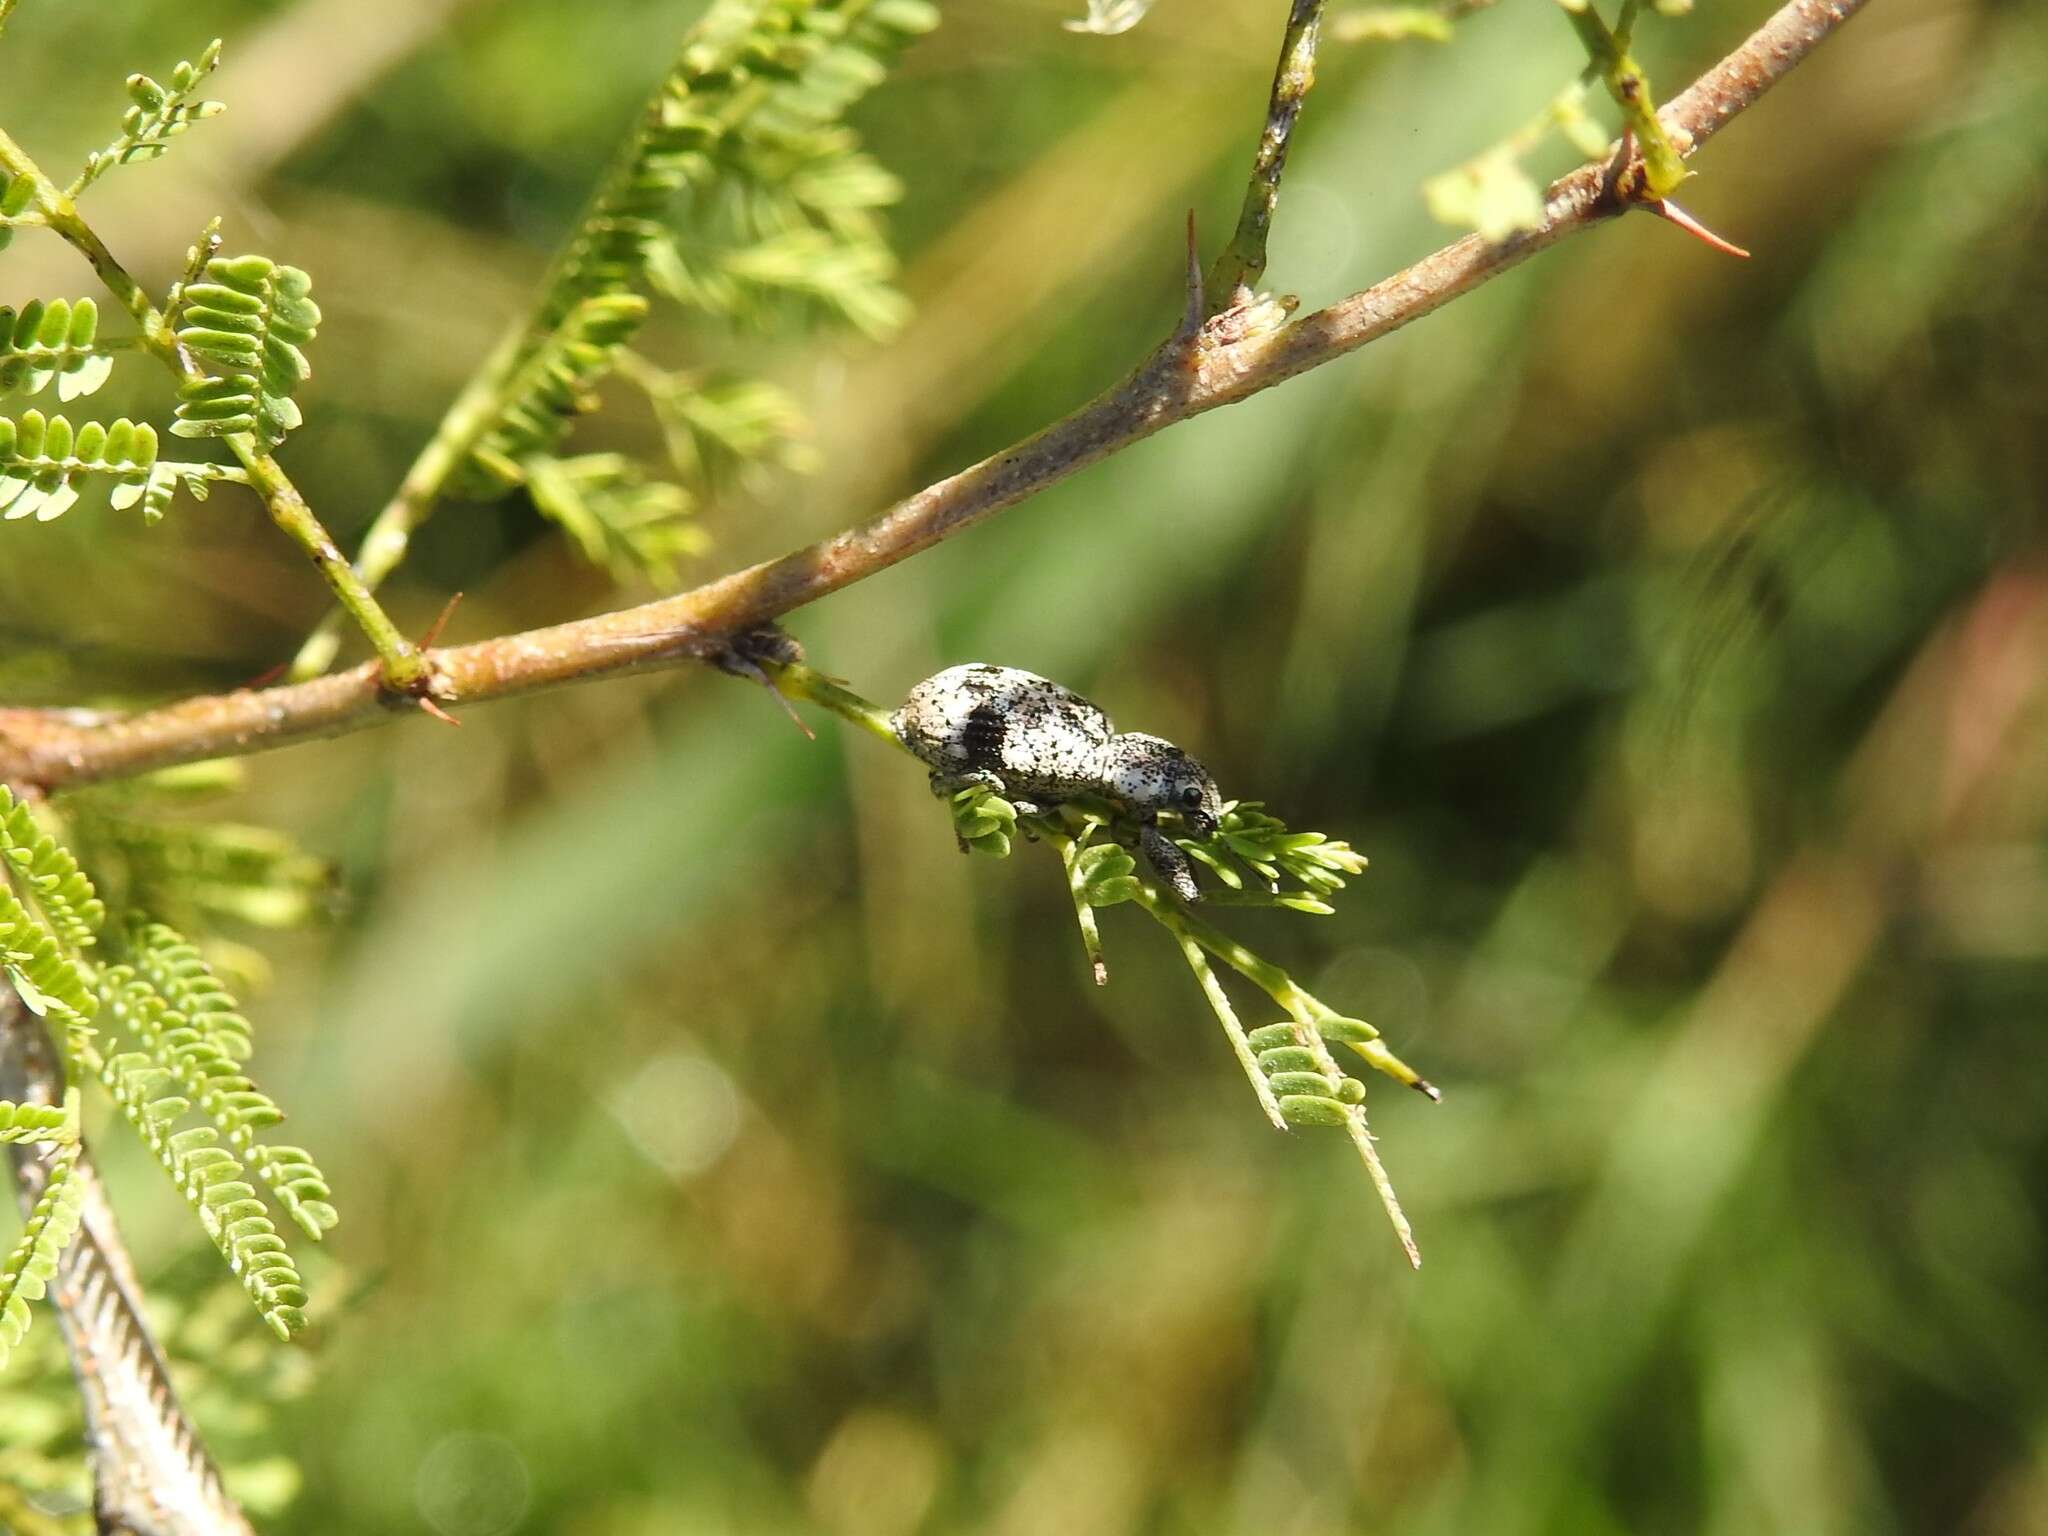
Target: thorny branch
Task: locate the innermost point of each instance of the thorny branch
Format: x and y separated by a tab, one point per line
1230	357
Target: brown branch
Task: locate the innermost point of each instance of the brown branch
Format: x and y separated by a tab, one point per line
1234	355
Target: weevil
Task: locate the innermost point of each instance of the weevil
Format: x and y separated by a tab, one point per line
1039	745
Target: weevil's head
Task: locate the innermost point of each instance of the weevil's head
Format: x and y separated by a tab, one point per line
1149	775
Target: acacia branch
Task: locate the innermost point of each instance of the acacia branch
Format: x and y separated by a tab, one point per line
1223	361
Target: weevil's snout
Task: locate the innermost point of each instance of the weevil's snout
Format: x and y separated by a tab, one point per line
1202	806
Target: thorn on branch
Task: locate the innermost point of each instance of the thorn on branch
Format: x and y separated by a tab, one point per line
1624	185
1671	213
433	635
429	706
750	653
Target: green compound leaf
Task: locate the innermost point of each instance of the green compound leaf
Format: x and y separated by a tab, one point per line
205	1173
48	873
49	341
40	1123
253	318
742	187
190	873
51	983
550	388
169	1002
42	459
719	427
740	197
1105	875
29	1269
983	821
618	516
156	114
1246	839
1490	193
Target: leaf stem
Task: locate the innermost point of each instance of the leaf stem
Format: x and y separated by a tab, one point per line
1069	850
795	680
1607	51
404	669
1192	950
1243	262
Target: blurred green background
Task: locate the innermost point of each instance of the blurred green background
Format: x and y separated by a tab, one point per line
718	1151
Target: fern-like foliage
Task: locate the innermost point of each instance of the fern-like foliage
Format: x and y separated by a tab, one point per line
50	981
43	1123
551	386
1309	1089
49	873
720	427
28	1270
193	874
204	1172
156	114
52	341
167	1041
17	205
43	459
1248	840
616	513
740	196
783	206
748	121
174	1006
253	318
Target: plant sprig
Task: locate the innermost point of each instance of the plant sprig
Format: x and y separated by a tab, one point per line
1258	860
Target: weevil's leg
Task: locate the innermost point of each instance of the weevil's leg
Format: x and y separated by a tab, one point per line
1171	863
1026	809
947	784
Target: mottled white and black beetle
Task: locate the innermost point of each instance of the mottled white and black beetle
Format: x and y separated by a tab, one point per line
1039	745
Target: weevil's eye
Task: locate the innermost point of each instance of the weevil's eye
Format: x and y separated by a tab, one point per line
1191	797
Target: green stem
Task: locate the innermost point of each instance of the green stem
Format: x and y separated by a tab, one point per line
404	668
482	400
389	538
794	680
1219	1004
1069	850
1243	262
1663	169
1194	937
1300	1005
